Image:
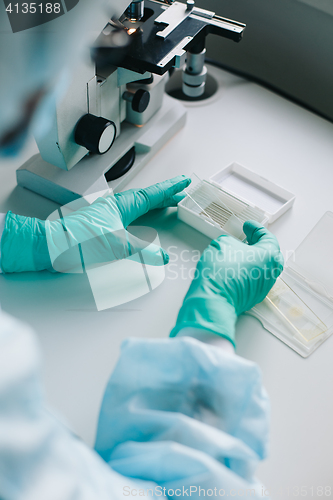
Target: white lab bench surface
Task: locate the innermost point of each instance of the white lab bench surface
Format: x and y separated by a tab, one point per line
80	346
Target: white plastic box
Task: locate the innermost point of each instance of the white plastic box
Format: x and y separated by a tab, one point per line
245	193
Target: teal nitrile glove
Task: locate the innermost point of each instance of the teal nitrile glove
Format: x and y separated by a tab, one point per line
232	277
136	202
94	234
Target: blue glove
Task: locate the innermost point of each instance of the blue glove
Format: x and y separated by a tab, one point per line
182	413
232	278
95	233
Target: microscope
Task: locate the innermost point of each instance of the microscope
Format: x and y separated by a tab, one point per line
116	115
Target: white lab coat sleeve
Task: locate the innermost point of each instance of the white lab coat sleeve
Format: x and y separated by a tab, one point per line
2	227
185	414
39	458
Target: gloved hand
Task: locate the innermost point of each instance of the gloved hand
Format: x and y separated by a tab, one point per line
192	416
93	234
232	278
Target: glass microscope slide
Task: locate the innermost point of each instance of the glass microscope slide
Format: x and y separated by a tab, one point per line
207	198
294	312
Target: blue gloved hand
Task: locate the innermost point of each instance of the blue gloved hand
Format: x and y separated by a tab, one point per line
184	414
232	278
92	235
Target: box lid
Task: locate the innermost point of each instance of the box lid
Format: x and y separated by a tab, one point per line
312	260
253	189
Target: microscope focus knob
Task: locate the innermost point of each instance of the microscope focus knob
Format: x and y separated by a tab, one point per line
95	133
139	100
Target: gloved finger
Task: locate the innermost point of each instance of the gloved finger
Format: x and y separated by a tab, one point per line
150	253
175	466
76	259
135	203
222	242
154	425
159	461
258	235
161	195
174	200
256	232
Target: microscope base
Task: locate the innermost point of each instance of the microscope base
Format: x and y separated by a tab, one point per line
87	177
